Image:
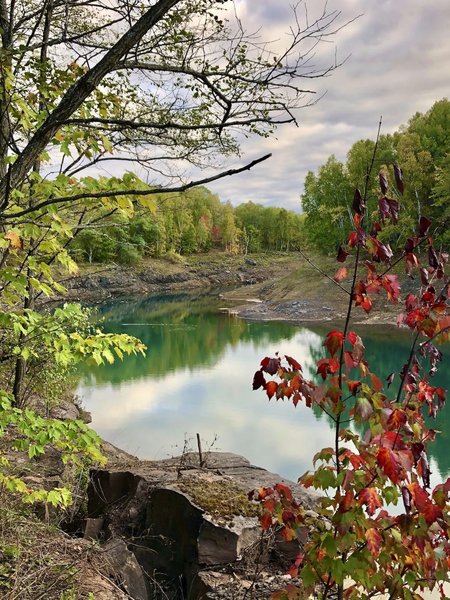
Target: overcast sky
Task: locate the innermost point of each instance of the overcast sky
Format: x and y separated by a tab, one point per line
399	64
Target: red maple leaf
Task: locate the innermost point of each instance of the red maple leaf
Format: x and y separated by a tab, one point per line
396	419
327	365
369	496
388	462
258	380
392	286
340	274
353	386
266	520
431	512
293	363
333	342
271	388
270	365
284	491
374	540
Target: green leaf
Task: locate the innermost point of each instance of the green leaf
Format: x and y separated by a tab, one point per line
307	576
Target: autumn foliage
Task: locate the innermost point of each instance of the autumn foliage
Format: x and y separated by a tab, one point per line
355	545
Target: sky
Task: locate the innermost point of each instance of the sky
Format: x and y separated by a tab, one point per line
398	64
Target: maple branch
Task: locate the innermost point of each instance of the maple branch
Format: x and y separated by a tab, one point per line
319	270
440	332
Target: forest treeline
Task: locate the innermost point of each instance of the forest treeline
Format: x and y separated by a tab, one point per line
197	221
422	150
186	223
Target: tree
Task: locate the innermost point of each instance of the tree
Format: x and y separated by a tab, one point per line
441	196
326	201
101	83
349	548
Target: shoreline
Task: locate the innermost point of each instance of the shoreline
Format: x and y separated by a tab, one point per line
268	288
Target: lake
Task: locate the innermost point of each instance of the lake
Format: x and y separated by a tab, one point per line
197	378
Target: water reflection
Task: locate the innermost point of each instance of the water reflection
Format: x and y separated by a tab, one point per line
197	377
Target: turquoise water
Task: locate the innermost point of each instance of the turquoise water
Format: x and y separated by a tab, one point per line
197	378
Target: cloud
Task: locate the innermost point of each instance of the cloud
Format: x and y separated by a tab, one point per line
399	54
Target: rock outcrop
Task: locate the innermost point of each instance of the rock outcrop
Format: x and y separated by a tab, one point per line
117	281
192	531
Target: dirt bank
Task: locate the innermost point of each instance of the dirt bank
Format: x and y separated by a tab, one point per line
285	286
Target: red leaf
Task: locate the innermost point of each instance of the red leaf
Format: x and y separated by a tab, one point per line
432	513
356	460
359	204
293	571
387	460
284	491
410	244
411	262
406	495
419	496
266	520
424	226
376	383
327	365
353	386
424	276
383	207
271	388
333	342
397	419
342	255
349	361
270	365
376	228
383	182
374	541
347	501
258	380
398	174
432	258
352	239
392	286
365	303
352	337
369	497
394	208
340	274
293	363
392	440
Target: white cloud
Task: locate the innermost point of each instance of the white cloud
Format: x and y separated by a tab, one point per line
399	64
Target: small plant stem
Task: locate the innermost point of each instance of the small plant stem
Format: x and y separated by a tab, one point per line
327	588
200	454
408	366
340	587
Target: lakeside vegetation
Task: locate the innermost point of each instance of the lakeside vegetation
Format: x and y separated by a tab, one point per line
187	223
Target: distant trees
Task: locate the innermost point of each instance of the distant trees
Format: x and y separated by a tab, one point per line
187	223
421	148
